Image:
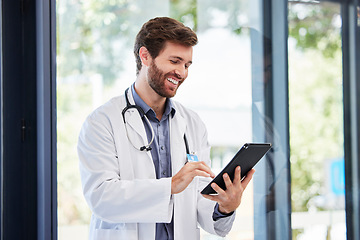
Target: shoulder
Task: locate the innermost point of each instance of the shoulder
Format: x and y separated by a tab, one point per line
192	118
195	130
108	114
184	111
112	108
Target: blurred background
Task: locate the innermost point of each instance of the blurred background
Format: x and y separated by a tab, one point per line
95	62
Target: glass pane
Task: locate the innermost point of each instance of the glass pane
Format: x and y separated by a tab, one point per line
218	87
316	121
96	62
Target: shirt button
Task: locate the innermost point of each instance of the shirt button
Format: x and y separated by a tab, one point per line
164	173
162	147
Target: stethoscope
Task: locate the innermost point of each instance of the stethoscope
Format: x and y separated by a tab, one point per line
142	113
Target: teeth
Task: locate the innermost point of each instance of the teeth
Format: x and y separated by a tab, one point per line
173	81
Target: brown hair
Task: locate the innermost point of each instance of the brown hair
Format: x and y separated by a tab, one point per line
154	34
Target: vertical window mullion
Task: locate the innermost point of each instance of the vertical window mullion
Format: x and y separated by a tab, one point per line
272	182
46	119
351	83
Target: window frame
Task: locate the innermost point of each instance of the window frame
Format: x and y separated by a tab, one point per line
351	93
28	120
28	91
275	28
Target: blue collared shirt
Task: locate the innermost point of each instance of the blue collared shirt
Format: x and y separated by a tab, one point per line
160	151
161	154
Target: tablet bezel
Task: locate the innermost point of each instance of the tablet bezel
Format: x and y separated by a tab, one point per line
247	157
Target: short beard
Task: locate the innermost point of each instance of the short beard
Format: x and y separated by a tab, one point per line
156	80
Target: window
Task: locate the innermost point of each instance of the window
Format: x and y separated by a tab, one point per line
316	121
95	63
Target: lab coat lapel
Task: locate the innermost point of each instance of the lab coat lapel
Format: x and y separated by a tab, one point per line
133	119
177	145
183	224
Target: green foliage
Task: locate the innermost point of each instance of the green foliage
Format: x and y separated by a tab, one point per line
187	11
316	27
93	36
316	122
72	108
184	11
315	95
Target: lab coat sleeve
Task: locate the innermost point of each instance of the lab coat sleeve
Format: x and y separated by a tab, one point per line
222	226
110	197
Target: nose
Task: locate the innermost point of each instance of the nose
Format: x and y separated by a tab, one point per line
181	72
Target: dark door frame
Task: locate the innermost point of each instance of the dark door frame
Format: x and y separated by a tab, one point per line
28	120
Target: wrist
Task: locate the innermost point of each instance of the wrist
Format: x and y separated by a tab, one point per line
224	211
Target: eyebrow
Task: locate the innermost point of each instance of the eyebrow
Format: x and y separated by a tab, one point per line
180	58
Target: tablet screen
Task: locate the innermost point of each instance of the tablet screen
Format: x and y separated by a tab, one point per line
248	155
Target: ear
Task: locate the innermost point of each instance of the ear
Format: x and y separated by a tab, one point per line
145	56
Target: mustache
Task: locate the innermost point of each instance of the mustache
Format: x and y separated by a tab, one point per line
175	75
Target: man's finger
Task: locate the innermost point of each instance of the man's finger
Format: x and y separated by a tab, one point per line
227	181
214	198
247	179
237	175
208	169
217	189
201	173
202	167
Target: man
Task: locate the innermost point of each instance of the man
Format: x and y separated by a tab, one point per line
134	169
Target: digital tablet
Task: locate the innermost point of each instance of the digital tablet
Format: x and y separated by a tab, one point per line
248	155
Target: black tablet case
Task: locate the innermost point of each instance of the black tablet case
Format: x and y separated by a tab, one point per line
248	155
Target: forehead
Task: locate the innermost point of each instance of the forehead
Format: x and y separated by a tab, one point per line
177	50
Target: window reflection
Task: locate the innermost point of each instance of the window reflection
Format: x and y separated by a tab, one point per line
271	185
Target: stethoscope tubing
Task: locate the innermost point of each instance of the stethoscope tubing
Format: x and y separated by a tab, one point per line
142	113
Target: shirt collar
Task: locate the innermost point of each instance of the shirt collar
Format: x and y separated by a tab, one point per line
169	106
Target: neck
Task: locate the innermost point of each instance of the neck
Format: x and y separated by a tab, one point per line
150	97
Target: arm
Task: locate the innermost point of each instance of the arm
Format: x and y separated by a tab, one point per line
228	200
109	185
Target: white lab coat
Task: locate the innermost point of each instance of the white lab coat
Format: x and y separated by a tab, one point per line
119	181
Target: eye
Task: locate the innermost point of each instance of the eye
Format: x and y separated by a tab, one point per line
174	61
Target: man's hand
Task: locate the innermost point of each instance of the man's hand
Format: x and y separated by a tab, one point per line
230	199
187	173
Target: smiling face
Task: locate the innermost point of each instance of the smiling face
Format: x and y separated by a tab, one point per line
169	69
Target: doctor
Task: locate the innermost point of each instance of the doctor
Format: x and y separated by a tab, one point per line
133	150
